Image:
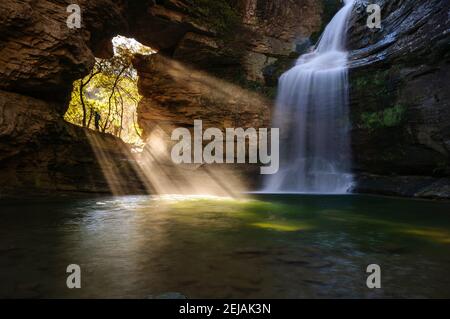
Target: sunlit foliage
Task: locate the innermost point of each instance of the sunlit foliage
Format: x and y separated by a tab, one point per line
107	98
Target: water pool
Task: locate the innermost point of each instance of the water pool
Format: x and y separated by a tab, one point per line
268	246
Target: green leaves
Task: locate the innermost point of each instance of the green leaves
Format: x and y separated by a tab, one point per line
111	91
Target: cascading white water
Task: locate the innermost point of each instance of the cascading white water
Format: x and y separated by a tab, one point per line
312	114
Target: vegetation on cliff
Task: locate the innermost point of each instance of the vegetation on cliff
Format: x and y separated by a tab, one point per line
389	117
218	15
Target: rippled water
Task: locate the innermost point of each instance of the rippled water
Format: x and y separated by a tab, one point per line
274	246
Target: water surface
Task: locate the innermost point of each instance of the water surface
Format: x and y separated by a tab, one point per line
272	246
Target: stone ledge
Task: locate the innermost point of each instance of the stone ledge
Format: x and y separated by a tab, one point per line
404	186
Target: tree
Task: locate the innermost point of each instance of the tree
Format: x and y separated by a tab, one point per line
111	91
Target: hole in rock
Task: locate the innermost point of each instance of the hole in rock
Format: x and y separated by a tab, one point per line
107	98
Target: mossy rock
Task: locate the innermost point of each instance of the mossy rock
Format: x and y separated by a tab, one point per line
389	117
330	8
273	72
218	15
267	91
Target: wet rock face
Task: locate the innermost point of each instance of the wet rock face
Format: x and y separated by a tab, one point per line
405	186
412	32
284	32
399	97
279	27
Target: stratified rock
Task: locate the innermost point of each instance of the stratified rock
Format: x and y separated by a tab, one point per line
217	75
280	28
177	94
399	97
43	153
40	56
215	65
405	186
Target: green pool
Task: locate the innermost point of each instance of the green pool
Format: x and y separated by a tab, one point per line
267	246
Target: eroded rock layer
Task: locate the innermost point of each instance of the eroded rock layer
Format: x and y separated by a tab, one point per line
219	61
400	100
41	152
219	42
217	72
40	57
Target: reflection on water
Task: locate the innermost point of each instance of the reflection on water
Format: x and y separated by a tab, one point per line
274	246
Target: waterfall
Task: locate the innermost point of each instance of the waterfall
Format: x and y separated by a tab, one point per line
312	114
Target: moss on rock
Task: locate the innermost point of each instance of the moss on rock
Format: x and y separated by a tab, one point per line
218	15
330	8
389	117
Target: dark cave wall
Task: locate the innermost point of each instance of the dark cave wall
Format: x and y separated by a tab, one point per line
40	57
400	102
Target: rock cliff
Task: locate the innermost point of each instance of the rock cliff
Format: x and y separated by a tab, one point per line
217	71
400	99
40	57
219	60
225	44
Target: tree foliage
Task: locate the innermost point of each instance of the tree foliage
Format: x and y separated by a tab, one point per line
110	91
